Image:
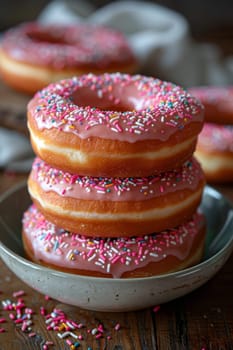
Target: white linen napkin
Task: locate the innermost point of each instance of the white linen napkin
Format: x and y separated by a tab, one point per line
160	39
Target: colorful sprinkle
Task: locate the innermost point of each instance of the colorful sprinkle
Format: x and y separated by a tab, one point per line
130	188
148	108
111	256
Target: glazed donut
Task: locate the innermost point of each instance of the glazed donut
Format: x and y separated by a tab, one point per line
218	103
120	206
132	257
215	152
33	55
114	125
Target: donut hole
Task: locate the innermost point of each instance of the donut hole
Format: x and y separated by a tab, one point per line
46	37
123	100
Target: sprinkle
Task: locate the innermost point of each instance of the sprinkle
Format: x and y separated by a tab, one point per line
63	335
32	334
70	325
117	327
98	336
19	320
18	293
48	320
42	311
73	335
113	256
156	308
151	186
94	331
166	103
80	325
100	328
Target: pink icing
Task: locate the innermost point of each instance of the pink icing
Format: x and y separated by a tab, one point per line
70	46
56	246
116	106
216	137
116	189
219	96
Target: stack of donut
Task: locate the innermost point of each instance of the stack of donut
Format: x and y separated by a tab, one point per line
33	55
114	185
215	143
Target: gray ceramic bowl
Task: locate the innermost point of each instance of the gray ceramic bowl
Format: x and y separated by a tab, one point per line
105	294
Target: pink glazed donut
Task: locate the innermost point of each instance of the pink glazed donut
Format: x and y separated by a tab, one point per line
215	152
215	143
218	103
33	55
130	257
120	206
114	125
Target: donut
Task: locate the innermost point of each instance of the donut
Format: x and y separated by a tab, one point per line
122	206
215	152
218	103
114	125
129	257
215	143
33	55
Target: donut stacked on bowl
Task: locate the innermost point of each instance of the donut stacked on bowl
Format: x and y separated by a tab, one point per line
215	143
114	184
32	55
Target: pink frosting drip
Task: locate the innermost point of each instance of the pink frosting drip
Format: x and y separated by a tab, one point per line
116	106
70	46
217	137
116	189
56	246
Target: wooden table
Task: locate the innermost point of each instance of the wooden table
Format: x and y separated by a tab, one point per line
202	320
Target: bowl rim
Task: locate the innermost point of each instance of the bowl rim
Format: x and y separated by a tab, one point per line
178	274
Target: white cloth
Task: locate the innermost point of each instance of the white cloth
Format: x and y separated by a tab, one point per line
15	151
160	39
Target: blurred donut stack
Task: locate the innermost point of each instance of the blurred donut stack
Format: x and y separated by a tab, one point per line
215	143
